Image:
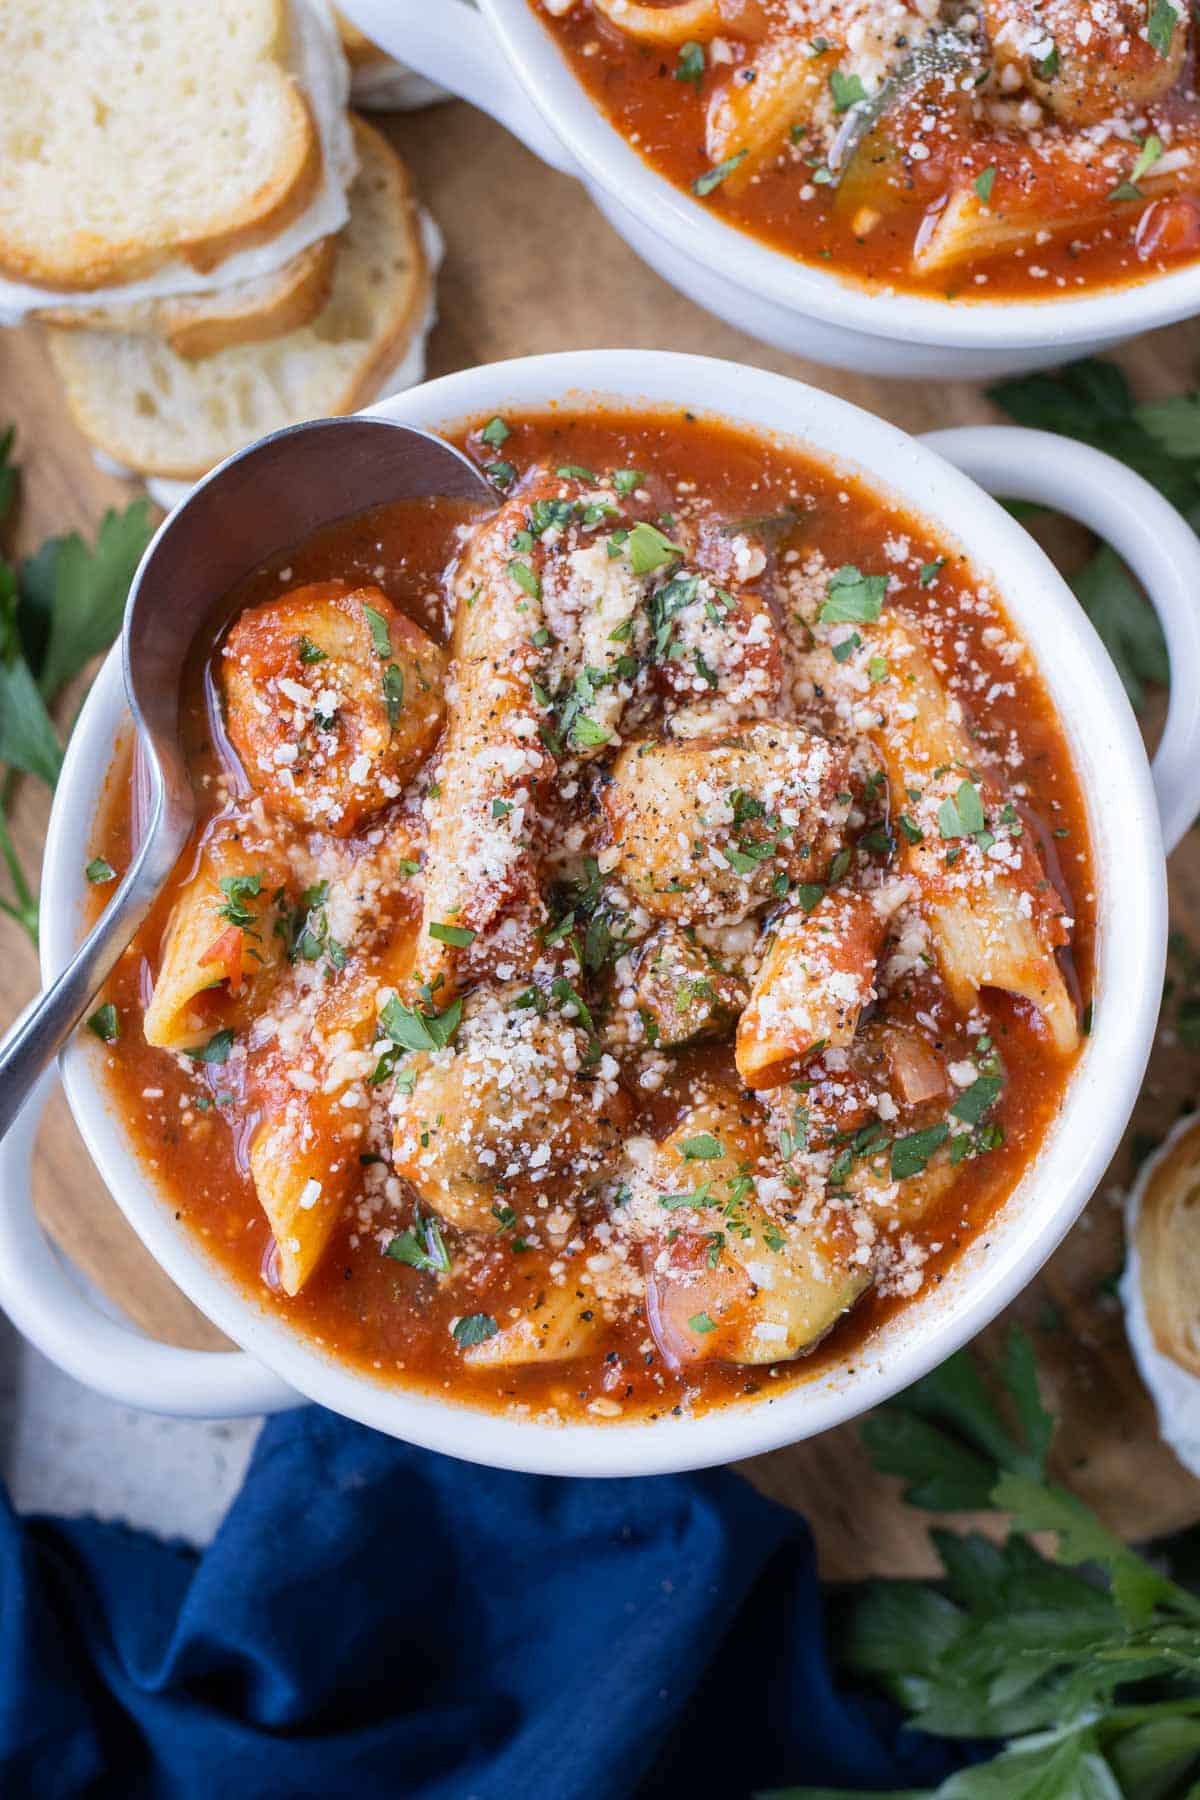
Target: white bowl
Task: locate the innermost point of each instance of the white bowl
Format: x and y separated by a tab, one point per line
504	61
1127	840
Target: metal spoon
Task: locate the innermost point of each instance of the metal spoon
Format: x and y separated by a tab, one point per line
258	503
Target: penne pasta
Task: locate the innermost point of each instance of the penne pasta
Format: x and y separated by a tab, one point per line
996	921
219	937
772	1291
752	120
663	25
815	979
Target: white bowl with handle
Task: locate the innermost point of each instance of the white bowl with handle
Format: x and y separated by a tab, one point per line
502	59
1132	810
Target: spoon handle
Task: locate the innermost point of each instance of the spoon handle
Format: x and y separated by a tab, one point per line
42	1030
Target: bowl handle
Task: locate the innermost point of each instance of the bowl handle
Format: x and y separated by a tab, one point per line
1156	541
452	45
49	1308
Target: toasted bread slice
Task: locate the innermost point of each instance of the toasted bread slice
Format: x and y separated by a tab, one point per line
152	411
1168	1244
197	325
172	129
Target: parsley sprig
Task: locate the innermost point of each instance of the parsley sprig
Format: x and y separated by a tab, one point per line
59	608
1092	401
1085	1659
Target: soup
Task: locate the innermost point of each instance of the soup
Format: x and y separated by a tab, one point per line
1022	149
634	937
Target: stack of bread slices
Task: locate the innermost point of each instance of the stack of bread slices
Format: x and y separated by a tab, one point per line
215	245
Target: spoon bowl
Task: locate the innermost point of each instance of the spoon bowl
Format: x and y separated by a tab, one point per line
250	508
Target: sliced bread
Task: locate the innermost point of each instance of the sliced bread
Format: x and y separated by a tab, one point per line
152	411
132	134
1167	1236
196	325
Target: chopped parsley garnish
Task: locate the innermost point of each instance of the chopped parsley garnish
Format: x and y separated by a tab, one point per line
421	1028
458	935
961	813
305	928
586	733
525	578
690	66
854	598
712	178
700	1322
985	182
650	549
237	889
106	1023
421	1247
931	570
704	1148
743	859
626	481
99	871
809	895
974	1101
847	90
216	1050
665	605
381	641
576	472
495	433
545	515
1161	24
393	694
911	1154
476	1328
308	652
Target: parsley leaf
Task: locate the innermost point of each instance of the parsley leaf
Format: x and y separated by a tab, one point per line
704	1148
649	549
476	1328
854	598
216	1050
418	1029
106	1023
1084	1657
1125	621
712	178
421	1247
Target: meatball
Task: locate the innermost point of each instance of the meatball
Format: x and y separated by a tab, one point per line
504	1114
1083	79
333	700
709	829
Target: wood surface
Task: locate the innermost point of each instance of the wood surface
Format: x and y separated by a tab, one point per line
531	266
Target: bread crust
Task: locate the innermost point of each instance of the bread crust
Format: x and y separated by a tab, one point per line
394	334
199	325
1168	1244
83	260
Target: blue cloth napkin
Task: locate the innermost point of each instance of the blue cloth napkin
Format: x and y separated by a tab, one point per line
376	1620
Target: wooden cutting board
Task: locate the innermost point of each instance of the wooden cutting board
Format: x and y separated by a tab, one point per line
531	266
